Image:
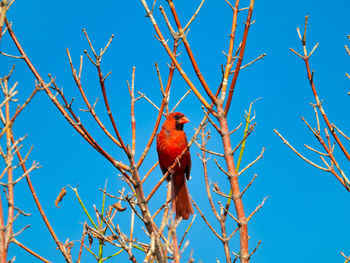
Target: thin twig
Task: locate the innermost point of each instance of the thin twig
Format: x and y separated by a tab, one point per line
253	162
257	209
206	221
30	251
301	156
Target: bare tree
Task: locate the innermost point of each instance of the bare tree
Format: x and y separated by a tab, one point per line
324	135
216	106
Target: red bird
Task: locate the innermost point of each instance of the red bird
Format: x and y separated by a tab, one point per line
171	141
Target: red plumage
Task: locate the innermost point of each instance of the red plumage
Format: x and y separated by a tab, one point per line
171	141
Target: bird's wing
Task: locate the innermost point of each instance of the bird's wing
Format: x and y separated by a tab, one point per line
188	167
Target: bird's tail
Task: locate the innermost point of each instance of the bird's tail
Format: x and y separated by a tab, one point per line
181	202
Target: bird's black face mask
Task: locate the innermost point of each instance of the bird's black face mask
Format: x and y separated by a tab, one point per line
179	126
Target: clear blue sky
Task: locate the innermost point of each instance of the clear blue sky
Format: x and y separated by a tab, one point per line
306	216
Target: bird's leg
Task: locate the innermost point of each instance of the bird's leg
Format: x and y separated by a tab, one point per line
170	169
171	172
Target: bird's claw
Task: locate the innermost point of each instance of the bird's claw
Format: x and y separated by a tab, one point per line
177	160
171	170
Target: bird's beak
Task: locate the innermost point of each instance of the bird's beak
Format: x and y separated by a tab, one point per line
183	120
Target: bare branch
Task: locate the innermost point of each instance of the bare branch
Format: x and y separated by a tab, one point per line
251	62
30	251
187	229
301	156
208	151
206	221
180	100
236	220
253	162
194	16
248	185
255	249
341	132
222	169
256	209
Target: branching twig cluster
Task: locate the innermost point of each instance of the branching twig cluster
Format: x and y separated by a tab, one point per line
330	163
10	176
224	210
221	102
348	51
130	173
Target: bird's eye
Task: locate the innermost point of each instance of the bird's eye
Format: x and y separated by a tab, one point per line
178	116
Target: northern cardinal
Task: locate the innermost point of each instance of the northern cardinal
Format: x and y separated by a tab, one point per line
171	141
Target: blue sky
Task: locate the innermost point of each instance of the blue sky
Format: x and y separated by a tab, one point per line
306	215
